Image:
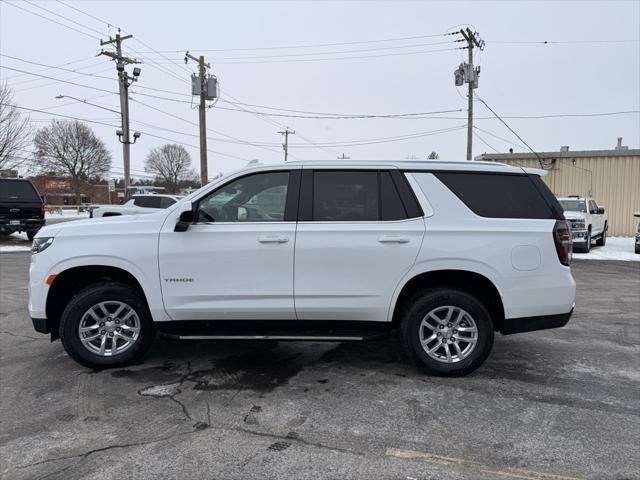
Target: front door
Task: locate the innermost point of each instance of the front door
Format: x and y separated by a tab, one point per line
236	261
355	241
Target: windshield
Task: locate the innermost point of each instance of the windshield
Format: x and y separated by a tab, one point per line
573	205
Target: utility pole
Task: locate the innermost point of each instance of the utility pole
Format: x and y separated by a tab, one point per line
285	145
343	157
467	74
124	82
205	87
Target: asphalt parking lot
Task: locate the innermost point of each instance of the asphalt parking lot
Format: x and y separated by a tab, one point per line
549	405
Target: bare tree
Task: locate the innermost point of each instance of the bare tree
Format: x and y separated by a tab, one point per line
70	148
171	164
15	131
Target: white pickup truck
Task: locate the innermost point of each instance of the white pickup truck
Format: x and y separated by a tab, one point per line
588	221
137	204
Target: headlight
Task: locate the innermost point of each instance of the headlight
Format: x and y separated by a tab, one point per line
578	225
40	244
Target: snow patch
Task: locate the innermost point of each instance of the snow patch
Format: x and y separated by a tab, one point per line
161	390
617	248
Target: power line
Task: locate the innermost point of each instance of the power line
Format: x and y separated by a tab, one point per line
559	42
63	17
81	60
373	141
328	59
52	20
58	79
499	137
512	131
361	42
484	141
341	52
70	117
238	140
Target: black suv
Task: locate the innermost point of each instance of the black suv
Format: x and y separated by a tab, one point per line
21	208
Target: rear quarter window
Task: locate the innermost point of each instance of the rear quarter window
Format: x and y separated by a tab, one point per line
496	195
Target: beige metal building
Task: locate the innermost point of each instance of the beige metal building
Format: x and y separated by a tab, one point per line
611	177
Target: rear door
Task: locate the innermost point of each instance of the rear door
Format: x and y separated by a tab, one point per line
356	239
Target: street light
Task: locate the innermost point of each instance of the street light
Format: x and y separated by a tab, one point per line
88	103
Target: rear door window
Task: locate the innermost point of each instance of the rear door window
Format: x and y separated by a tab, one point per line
498	195
345	196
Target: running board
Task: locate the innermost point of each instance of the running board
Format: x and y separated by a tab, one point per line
298	338
313	331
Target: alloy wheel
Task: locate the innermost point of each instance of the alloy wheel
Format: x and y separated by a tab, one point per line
448	334
109	328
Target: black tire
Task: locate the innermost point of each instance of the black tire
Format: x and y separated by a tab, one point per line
587	242
420	305
602	241
93	295
31	235
637	248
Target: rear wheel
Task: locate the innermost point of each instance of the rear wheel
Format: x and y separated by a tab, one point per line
447	331
601	242
106	325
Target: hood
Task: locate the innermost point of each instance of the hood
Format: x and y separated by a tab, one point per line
569	215
101	225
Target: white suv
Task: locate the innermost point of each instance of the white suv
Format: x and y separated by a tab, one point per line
445	252
136	205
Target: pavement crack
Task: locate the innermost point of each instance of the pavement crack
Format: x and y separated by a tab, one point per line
299	440
83	456
20	336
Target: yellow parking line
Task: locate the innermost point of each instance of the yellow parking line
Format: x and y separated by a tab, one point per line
479	467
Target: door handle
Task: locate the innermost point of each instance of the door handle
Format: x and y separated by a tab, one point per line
393	239
273	239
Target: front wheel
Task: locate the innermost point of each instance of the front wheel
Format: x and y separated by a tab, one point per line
106	325
587	242
31	235
447	331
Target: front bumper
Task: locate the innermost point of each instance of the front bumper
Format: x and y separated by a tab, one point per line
579	236
531	324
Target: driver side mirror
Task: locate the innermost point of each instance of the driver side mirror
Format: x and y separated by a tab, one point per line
186	218
600	210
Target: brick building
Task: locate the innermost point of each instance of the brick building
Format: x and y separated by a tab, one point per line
59	191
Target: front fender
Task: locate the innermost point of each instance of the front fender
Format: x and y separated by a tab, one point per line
149	282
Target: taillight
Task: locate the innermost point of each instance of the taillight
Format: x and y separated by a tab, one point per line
42	210
562	239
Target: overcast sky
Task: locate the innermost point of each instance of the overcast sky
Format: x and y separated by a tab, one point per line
591	73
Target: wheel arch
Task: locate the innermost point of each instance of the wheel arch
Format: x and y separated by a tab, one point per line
469	281
72	280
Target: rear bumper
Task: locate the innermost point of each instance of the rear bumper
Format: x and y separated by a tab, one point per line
531	324
24	225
